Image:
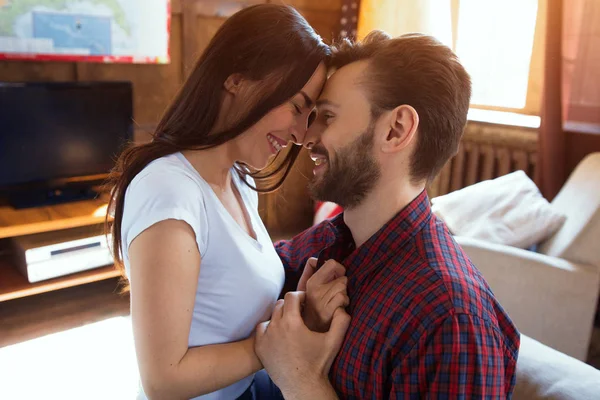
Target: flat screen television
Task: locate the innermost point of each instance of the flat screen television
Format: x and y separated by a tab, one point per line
59	139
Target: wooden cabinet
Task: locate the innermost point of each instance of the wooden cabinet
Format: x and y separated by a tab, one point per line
48	219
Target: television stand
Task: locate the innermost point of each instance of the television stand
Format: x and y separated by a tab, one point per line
48	197
60	217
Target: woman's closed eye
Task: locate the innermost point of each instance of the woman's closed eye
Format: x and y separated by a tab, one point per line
297	108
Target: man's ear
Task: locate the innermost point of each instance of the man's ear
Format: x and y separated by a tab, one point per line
233	83
403	124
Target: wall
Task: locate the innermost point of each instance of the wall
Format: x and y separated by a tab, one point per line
193	24
579	145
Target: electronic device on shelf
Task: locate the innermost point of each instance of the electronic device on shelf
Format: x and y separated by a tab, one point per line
60	139
50	255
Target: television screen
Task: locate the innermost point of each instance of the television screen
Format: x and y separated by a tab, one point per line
52	131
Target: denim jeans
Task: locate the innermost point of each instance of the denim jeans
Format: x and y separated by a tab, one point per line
262	388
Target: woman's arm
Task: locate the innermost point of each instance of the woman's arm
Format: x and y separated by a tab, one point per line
165	264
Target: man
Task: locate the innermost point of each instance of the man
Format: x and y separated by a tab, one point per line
424	323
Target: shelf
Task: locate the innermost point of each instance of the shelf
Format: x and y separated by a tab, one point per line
51	218
36	316
14	285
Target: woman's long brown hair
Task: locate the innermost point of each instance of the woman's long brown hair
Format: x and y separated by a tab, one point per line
267	43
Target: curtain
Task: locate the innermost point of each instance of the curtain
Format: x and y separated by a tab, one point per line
571	100
581	66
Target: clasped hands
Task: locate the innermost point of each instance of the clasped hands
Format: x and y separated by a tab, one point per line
299	344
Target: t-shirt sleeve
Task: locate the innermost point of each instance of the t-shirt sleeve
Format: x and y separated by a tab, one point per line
161	195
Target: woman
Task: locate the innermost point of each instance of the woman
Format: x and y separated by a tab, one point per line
202	269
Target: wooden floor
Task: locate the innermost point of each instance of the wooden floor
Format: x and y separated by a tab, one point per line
35	316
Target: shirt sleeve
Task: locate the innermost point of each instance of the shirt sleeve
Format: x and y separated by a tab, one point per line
291	257
295	252
162	195
463	359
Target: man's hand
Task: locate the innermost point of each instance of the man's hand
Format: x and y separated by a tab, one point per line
325	292
297	359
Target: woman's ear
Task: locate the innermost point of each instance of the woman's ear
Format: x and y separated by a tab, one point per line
233	83
403	124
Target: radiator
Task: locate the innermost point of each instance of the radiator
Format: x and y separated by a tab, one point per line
486	152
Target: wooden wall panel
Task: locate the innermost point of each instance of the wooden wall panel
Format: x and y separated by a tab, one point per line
290	209
324	22
15	71
205	30
323	5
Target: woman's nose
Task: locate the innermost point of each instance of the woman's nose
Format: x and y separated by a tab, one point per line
298	132
297	138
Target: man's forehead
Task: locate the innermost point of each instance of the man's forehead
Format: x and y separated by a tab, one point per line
345	80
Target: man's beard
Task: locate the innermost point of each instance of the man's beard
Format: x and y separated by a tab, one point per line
350	175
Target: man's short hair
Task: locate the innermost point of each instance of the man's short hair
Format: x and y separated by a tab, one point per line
419	71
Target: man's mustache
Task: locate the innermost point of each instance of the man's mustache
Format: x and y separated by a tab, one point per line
319	151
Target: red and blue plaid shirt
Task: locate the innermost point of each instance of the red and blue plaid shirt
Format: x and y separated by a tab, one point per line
425	324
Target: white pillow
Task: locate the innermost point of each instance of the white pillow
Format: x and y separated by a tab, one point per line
508	210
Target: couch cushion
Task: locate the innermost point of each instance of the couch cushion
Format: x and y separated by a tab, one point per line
508	210
544	373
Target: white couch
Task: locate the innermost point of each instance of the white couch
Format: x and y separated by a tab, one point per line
544	373
552	295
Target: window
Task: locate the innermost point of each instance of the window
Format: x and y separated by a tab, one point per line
495	43
499	42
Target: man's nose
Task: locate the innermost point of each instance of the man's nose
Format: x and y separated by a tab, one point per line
313	134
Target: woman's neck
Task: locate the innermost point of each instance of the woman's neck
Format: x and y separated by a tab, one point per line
214	165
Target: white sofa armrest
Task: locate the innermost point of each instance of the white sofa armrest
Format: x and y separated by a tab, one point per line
544	373
549	299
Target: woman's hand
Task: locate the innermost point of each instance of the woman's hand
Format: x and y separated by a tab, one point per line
325	292
297	359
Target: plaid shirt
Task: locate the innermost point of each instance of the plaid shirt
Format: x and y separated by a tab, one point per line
425	324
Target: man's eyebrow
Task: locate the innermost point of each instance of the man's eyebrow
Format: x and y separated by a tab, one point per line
325	102
307	99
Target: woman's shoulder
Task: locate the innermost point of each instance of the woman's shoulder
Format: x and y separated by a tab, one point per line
163	190
166	180
168	173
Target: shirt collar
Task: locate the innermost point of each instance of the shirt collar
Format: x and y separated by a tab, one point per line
402	227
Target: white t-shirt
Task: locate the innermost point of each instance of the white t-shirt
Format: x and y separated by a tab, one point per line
240	278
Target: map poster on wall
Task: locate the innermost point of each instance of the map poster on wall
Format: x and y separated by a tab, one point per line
125	31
